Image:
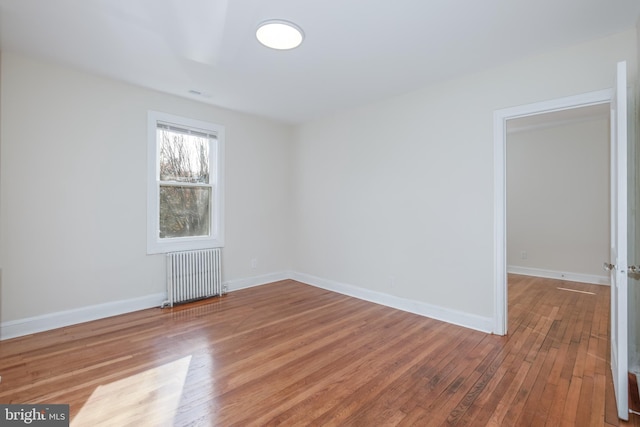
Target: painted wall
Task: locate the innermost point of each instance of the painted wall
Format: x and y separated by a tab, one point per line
397	196
73	185
558	200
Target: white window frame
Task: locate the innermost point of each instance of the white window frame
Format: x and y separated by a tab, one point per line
215	239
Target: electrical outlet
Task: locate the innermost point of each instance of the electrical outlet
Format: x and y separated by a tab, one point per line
523	255
254	262
392	281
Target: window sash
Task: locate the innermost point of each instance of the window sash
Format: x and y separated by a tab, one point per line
184	184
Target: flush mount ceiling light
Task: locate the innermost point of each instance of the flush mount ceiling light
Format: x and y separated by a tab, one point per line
279	34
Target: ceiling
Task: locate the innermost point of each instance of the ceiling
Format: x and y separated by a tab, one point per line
354	52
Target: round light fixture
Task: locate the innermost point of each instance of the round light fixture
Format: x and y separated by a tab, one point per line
279	34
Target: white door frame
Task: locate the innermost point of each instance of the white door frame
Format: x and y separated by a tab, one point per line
500	118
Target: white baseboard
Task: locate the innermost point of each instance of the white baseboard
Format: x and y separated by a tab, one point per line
45	322
472	321
250	282
561	275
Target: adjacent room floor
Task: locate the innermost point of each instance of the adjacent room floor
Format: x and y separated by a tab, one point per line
287	353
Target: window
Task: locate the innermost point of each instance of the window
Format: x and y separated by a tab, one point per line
185	184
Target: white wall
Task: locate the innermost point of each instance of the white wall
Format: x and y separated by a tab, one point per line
558	200
404	187
73	185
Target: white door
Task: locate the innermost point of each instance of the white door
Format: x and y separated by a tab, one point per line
618	262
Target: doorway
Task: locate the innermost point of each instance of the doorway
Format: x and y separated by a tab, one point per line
501	118
558	184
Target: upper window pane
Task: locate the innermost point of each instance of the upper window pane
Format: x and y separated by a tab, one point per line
183	157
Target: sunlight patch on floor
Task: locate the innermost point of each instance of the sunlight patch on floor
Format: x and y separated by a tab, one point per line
150	398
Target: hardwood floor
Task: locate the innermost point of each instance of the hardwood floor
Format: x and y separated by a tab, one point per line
291	354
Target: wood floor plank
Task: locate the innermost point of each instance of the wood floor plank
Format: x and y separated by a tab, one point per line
291	354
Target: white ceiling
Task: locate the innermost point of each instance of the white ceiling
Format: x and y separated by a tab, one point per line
355	51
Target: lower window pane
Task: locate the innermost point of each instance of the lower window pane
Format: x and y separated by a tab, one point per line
184	211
